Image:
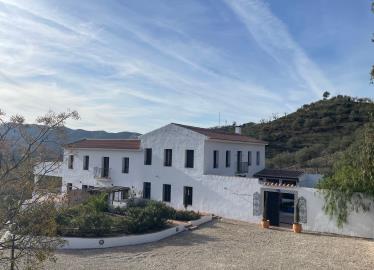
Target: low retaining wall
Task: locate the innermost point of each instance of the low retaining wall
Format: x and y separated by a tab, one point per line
127	240
202	220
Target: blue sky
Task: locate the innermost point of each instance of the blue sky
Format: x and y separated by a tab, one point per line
137	64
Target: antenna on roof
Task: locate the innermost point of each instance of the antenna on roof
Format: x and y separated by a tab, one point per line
219	119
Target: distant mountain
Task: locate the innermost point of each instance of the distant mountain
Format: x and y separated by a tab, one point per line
313	136
67	135
77	134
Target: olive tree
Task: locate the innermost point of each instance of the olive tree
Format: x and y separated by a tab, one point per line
27	215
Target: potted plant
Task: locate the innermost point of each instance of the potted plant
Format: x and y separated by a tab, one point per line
296	226
265	223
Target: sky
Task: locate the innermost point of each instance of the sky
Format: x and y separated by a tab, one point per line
136	65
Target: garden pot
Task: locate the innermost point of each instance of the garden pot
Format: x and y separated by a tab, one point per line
297	228
265	224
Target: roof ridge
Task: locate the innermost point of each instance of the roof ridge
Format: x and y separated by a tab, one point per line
213	131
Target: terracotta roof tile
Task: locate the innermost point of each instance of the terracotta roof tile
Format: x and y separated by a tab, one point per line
221	135
105	144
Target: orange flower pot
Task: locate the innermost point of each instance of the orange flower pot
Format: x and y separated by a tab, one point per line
265	224
297	228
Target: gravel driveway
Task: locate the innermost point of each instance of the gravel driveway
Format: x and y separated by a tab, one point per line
229	244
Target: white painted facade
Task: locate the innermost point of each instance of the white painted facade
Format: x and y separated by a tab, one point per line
78	176
215	190
173	137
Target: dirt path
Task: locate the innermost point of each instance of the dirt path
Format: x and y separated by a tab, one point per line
229	245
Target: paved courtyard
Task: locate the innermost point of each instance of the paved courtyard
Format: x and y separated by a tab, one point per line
229	244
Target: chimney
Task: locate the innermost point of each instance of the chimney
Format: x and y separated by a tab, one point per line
238	130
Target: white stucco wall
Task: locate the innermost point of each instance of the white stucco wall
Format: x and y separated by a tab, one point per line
78	177
227	196
359	224
119	241
222	147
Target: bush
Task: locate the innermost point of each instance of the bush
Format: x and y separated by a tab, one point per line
97	203
83	221
91	219
184	215
153	216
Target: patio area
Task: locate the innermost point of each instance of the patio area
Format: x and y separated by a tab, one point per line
228	244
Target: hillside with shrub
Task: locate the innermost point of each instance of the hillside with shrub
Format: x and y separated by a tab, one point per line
315	135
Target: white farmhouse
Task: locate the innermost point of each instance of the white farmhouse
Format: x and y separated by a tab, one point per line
166	164
203	170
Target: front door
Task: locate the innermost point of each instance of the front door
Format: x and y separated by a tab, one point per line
273	205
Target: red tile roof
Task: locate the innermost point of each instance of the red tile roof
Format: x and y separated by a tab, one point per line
221	135
105	144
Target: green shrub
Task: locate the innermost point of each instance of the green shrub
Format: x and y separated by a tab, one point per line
137	202
184	215
153	216
83	221
98	203
93	224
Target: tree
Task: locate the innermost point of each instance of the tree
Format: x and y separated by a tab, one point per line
326	95
27	218
351	185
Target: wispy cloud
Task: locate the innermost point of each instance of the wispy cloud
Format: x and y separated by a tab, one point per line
129	68
273	37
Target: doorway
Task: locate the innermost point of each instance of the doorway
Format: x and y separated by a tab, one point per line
279	208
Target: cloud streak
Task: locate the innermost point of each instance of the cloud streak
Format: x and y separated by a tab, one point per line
272	36
125	69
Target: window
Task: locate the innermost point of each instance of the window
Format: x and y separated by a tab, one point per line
71	161
146	190
125	165
249	158
228	159
166	193
69	186
167	157
215	159
86	162
84	187
148	156
189	158
105	167
258	158
187	198
238	160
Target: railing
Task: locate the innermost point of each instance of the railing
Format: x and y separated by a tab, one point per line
242	167
102	173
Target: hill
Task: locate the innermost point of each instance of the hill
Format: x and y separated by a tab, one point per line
67	135
77	134
313	136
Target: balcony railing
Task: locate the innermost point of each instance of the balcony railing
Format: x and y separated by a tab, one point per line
242	167
102	173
